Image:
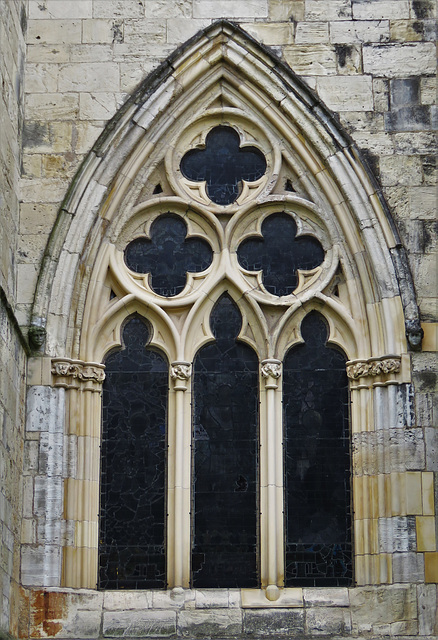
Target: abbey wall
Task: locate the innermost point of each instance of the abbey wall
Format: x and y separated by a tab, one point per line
67	67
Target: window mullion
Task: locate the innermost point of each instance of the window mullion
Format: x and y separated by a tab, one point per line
271	479
179	487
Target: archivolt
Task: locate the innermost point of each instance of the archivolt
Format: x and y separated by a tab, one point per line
221	71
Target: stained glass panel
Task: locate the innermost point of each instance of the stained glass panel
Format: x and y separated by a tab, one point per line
279	254
168	255
317	466
223	164
132	509
225	456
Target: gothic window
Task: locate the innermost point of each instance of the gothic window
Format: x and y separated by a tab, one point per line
229	467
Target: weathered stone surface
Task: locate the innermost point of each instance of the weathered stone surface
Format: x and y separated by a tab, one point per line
324	621
373	606
399	60
359	90
397	170
319	60
326	597
320	10
213	623
271	624
230	8
380	9
139	624
397	534
367	31
408	567
427	609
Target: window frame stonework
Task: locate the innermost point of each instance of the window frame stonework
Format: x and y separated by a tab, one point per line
356	290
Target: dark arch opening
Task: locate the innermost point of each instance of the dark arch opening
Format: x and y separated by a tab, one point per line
224	551
133	464
317	461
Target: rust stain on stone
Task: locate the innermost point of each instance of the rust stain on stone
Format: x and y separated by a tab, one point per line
47	611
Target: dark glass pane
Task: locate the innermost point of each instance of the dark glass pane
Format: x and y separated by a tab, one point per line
223	165
168	255
317	453
132	510
279	254
225	456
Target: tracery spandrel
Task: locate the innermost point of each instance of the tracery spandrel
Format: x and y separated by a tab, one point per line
132	502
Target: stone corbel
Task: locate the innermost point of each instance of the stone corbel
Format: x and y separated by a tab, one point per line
76	374
380	368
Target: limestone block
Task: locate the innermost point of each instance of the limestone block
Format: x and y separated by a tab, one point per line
427	609
323	621
265	623
428	90
272	34
408	567
97	76
48	53
125	600
87	134
60	9
165	9
28	531
281	11
41	137
312	32
173	599
397	534
27	499
346	93
431	567
431	440
426	534
91	53
326	597
100	31
211	598
51	453
41	565
349	58
131	73
30	461
380	9
371	606
80	624
98	106
52	106
48	497
327	11
230	8
319	60
214	623
45	409
181	29
37	218
348	32
399	60
421	143
413	31
118	9
151	31
139	624
425	275
401	170
31	166
41	78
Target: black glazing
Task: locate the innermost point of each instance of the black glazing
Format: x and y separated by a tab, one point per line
279	254
132	511
317	453
225	457
168	255
223	165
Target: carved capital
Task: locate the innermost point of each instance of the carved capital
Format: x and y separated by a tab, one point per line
73	373
271	369
180	370
373	367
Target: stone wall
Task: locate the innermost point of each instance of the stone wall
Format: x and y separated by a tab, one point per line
373	64
12	354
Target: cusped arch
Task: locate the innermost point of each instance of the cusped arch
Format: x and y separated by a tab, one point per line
223	62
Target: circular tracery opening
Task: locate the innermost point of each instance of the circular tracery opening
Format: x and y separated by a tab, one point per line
223	165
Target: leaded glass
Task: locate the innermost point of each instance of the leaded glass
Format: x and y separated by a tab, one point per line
223	164
225	456
132	509
279	254
168	255
317	461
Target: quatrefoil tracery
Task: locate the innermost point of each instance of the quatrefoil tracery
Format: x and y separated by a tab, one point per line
168	255
223	165
279	254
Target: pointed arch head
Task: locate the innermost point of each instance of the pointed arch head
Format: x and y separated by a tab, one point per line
223	77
